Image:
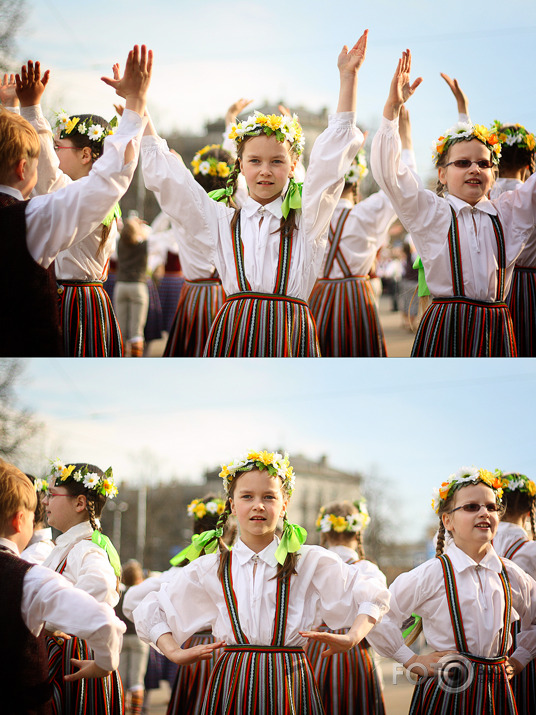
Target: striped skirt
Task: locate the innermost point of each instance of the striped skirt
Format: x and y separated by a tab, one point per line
88	321
347	318
263	325
488	691
523	684
89	696
348	682
459	327
262	680
522	304
190	686
169	290
153	324
199	303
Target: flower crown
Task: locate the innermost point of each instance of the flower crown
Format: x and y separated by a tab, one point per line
276	464
198	508
352	522
358	169
41	485
466	130
464	476
210	165
104	484
88	127
514	134
514	482
285	129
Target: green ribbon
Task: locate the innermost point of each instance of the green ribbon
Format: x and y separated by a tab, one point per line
416	620
104	542
207	541
114	213
292	198
221	194
422	288
292	539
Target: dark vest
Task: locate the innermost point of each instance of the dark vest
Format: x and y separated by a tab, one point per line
29	315
24	687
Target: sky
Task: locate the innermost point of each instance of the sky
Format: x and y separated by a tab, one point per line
209	53
405	424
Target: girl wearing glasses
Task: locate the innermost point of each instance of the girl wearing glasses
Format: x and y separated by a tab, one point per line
467	598
467	243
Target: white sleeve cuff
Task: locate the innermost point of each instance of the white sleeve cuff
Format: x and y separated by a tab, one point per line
403	654
370	609
157	631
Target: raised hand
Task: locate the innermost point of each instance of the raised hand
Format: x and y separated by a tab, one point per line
350	61
235	109
134	83
8	93
460	96
401	88
30	84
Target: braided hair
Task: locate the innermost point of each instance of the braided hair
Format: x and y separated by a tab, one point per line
94	501
518	503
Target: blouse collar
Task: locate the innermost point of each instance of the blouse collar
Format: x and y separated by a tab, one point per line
245	554
462	561
75	533
483	205
252	207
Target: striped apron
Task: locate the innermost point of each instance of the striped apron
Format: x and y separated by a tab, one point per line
523	684
348	682
522	304
344	308
199	303
458	326
88	321
252	324
89	696
261	679
489	692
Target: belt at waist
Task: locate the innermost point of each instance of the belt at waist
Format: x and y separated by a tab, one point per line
249	647
471	301
265	296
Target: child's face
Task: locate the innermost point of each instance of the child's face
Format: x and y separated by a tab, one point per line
266	164
258	502
70	158
61	508
472	529
470	184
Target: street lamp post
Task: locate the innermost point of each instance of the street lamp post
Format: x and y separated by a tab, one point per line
118	510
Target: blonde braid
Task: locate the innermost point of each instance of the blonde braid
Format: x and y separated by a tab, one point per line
222	546
90	505
440	544
533	519
360	547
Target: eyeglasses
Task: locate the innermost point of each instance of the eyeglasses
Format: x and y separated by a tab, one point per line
474	508
49	495
467	163
60	146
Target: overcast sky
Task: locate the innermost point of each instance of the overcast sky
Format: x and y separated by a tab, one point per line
208	53
409	422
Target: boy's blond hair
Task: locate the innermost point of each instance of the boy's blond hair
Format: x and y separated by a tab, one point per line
16	493
18	140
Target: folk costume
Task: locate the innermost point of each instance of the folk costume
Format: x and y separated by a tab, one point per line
468	253
266	276
39	547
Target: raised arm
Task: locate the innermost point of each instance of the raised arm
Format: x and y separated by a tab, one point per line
459	95
401	88
8	91
134	84
349	63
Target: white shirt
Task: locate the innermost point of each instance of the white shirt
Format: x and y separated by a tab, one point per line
39	547
88	567
507	534
49	597
527	257
184	200
58	220
481	598
428	216
323	586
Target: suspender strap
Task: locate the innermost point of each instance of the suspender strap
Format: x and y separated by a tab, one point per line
501	253
455	256
230	600
514	548
507	610
61	566
454	603
281	613
238	250
334	238
283	264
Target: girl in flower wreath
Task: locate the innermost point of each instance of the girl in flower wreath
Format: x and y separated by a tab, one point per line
261	597
342	301
41	543
348	682
513	542
467	243
467	598
88	321
86	557
269	251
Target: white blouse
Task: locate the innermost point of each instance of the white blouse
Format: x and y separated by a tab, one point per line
527	257
507	534
88	567
184	200
58	220
323	587
49	597
39	547
481	598
427	217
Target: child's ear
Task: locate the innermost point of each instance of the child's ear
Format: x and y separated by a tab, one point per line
292	168
442	175
86	155
81	503
16	521
447	521
20	169
233	510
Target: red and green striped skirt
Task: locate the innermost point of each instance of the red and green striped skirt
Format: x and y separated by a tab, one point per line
460	327
346	318
199	303
348	682
262	680
88	322
263	325
522	304
89	696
